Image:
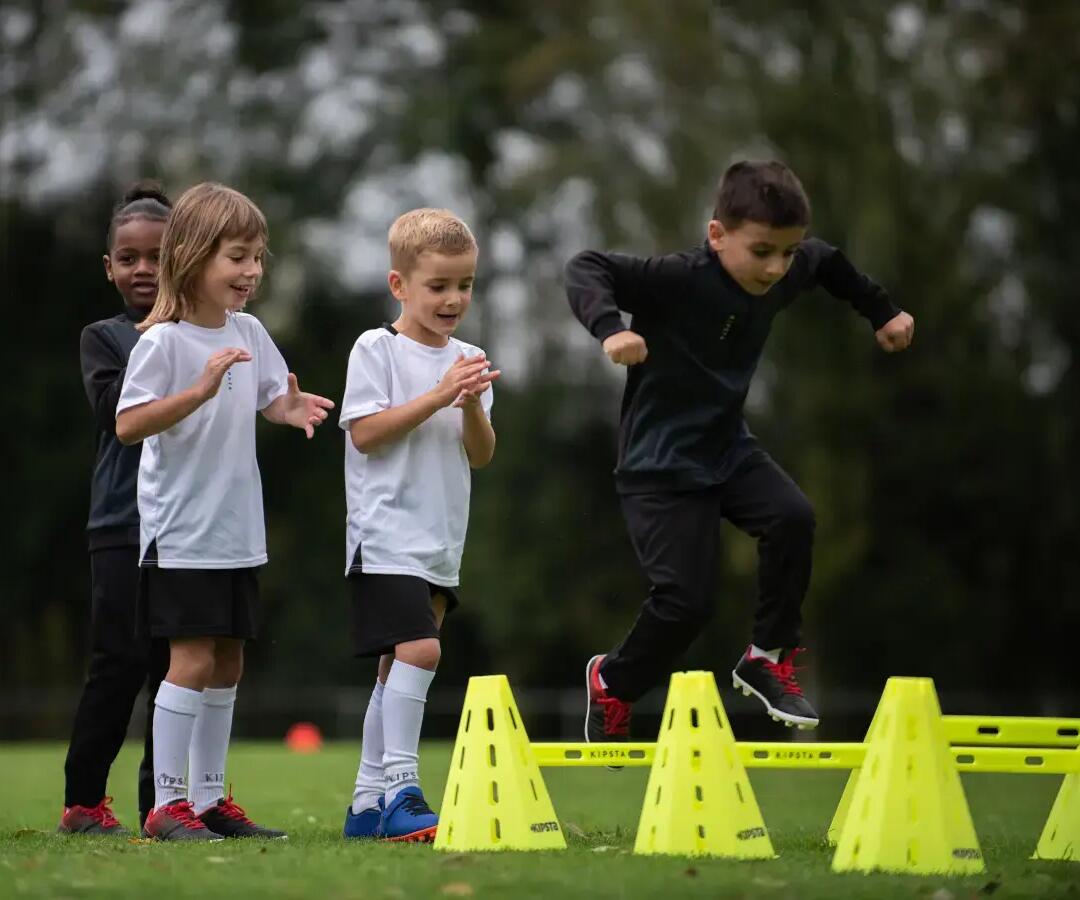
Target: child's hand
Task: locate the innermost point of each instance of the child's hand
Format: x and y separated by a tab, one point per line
467	374
216	367
626	348
896	334
303	410
470	397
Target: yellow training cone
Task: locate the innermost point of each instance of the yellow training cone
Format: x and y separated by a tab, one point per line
907	811
1060	838
495	797
699	801
840	816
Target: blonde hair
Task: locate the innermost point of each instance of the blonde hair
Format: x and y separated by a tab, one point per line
420	230
203	216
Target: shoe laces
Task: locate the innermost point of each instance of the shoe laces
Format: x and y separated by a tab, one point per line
616	715
232	810
103	814
183	811
784	671
416	805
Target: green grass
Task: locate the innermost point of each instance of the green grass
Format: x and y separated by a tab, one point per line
598	809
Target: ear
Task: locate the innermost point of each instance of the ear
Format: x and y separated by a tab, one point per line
108	266
717	233
397	284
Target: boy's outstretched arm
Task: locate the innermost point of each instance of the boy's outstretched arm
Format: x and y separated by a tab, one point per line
894	329
599	285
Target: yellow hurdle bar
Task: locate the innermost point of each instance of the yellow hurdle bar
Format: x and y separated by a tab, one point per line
1011	731
798	755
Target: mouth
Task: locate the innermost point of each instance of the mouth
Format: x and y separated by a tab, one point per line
448	318
765	285
242	292
144	288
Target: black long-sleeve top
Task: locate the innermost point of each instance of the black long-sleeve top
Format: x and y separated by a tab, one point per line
681	425
104	349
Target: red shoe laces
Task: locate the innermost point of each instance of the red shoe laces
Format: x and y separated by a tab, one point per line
616	715
784	671
103	814
183	811
232	810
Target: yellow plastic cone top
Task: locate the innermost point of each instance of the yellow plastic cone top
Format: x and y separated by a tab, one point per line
495	797
907	810
1060	838
840	816
699	800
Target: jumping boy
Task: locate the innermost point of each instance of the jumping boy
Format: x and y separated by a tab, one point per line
686	457
416	414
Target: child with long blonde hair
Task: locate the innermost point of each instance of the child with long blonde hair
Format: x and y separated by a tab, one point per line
194	382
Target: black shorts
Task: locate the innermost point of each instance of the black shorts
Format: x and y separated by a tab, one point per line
387	610
178	603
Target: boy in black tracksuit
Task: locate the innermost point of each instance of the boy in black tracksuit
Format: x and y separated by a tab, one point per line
119	663
686	458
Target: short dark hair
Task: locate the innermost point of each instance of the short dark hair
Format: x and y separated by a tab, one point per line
767	192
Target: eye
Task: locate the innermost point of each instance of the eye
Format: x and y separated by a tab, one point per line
760	254
438	288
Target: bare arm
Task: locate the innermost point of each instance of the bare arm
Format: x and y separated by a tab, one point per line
137	423
478	435
298	408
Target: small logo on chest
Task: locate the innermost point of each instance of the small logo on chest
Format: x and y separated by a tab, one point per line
726	330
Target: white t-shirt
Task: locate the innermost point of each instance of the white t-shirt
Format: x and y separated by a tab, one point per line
408	501
200	494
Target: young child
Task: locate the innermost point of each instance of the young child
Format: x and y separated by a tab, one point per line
194	382
417	414
686	458
119	662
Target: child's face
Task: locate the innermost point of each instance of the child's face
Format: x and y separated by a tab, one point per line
132	262
230	276
756	255
435	295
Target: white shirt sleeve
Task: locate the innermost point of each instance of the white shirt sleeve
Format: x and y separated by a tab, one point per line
148	376
273	371
367	384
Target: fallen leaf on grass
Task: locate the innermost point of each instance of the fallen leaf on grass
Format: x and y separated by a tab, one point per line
457	889
573	829
28	832
216	859
140	840
942	894
603	848
990	887
691	872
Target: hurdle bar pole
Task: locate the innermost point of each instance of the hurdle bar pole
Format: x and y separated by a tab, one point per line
800	755
1011	731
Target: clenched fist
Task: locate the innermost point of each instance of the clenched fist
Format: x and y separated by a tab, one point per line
896	334
626	348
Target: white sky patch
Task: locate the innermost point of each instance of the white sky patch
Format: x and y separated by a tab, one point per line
954	133
645	148
992	231
16	26
505	249
1050	361
1007	304
906	24
516	154
567	93
631	77
146	21
782	61
423	44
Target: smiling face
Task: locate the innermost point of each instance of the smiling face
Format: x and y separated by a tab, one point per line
132	261
756	255
435	295
230	276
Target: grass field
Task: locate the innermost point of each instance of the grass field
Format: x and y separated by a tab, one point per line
598	809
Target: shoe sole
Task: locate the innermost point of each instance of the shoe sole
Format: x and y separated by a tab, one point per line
423	836
801	722
588	706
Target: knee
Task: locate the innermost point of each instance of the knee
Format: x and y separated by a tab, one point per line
228	664
795	516
191	670
683	604
424	654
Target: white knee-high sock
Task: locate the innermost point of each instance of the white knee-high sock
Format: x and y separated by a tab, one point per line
403	713
370	783
175	709
209	747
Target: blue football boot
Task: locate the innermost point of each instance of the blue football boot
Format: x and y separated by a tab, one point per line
408	818
364	824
